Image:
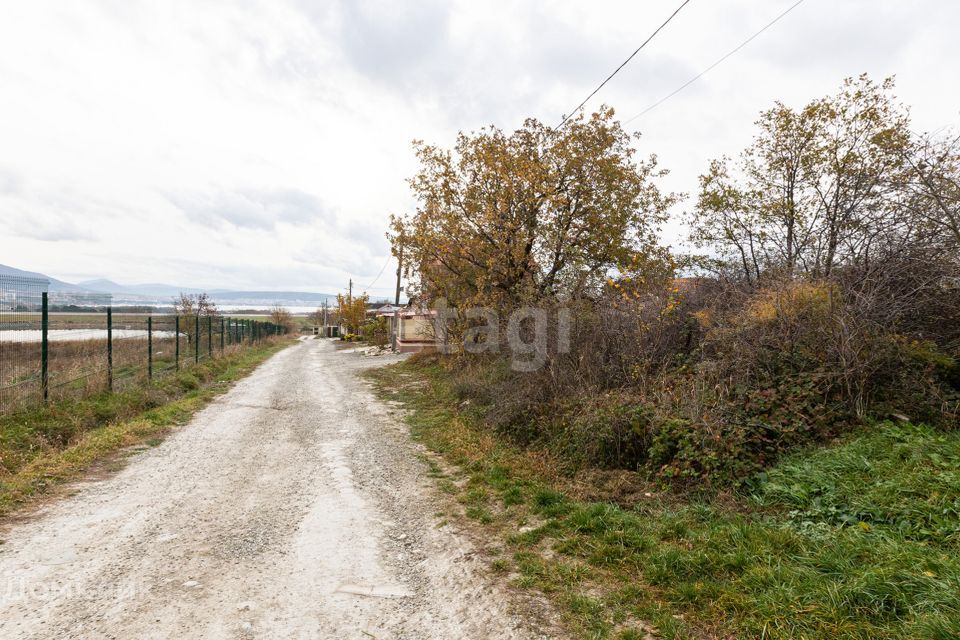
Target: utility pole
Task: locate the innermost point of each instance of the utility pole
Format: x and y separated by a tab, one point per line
396	311
399	267
349	303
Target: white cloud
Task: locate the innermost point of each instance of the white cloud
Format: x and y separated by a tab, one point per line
249	208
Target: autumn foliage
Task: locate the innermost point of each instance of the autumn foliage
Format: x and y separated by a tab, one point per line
352	311
826	292
507	219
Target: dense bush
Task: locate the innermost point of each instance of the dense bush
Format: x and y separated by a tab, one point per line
690	387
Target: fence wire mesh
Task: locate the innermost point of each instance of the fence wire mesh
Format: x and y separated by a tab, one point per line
61	345
21	301
77	338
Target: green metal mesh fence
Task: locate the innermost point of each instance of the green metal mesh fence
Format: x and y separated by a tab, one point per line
61	345
21	301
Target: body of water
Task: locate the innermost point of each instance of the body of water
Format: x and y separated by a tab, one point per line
71	335
265	309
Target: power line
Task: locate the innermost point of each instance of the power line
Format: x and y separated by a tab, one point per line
370	286
615	71
715	64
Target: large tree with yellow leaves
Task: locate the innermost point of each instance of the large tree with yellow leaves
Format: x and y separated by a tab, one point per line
507	219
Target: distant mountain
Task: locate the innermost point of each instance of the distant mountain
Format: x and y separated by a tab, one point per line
267	297
55	285
162	294
165	292
152	290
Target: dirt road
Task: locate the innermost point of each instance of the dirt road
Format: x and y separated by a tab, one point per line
294	506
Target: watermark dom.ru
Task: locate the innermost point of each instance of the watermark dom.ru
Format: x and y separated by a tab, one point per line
21	589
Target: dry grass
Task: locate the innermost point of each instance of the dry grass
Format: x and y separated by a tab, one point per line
79	368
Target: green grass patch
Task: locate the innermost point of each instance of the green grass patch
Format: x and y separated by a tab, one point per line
855	540
895	480
43	447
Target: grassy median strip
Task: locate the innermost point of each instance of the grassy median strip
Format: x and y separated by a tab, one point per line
856	540
47	446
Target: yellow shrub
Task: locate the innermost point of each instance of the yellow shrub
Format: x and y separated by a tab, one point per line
796	301
704	318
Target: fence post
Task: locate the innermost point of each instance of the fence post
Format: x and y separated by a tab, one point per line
223	333
176	351
196	343
149	347
110	348
209	336
44	345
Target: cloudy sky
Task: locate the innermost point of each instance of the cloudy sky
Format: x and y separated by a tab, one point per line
263	144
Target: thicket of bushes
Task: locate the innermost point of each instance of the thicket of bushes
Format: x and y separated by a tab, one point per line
715	384
828	293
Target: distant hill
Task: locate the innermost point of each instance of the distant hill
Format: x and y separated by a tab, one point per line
158	293
266	297
55	285
165	292
145	290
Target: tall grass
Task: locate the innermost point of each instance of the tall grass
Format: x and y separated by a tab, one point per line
79	368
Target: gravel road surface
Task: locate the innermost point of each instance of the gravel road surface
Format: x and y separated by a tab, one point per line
294	506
